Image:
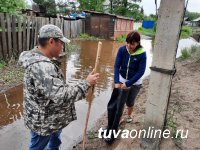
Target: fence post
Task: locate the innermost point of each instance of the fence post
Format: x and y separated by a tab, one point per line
14	35
24	34
9	34
32	32
36	31
4	41
51	21
61	25
28	33
19	35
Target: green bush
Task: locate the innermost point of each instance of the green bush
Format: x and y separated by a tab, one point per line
193	51
186	32
186	29
69	48
87	37
194	48
121	38
147	32
185	53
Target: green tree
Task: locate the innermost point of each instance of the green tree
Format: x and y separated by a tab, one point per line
192	15
151	17
47	6
129	8
94	5
11	6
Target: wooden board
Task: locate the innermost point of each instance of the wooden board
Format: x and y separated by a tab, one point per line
4	39
24	33
19	34
66	28
28	33
14	35
8	18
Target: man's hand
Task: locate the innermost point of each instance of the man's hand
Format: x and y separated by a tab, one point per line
92	78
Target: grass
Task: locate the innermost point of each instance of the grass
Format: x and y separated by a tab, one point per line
192	52
172	126
70	48
171	122
2	64
147	32
186	32
194	48
13	75
185	53
121	38
9	72
88	37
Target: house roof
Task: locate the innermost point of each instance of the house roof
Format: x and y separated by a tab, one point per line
101	13
197	19
186	18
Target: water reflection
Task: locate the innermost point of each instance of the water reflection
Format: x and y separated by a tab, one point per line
10	106
80	63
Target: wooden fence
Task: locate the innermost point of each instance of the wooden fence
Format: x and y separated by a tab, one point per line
19	33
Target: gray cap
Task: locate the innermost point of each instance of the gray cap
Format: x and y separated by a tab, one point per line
52	31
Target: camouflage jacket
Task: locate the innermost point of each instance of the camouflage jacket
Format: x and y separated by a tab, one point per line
48	100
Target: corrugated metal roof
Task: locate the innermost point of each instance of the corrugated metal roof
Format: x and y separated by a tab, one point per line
101	13
196	20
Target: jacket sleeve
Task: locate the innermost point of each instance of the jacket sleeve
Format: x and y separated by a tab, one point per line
117	65
54	88
140	72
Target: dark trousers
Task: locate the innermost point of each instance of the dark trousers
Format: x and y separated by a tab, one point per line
115	107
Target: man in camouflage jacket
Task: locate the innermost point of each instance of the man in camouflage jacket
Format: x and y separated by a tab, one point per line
48	100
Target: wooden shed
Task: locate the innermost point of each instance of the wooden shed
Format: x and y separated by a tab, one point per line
106	25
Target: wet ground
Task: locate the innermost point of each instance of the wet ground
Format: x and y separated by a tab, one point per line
14	135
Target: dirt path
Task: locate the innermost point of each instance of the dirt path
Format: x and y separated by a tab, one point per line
183	113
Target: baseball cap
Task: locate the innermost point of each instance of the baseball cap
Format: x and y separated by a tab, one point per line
52	31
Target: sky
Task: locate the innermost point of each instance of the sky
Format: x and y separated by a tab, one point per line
149	5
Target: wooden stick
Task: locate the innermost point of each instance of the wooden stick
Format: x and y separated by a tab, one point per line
91	98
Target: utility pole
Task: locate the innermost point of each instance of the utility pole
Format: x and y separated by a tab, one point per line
170	18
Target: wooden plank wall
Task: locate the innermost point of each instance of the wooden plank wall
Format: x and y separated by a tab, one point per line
19	33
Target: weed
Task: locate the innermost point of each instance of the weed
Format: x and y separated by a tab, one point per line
2	64
88	37
121	38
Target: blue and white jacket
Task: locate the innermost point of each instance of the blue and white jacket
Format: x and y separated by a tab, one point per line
130	66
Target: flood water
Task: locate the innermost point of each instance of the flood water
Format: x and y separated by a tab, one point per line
14	135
